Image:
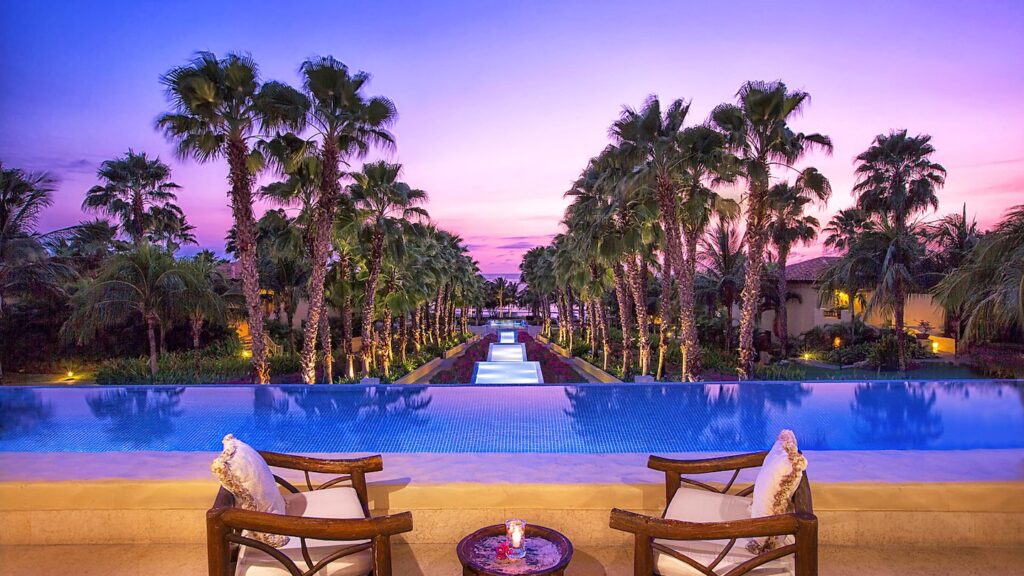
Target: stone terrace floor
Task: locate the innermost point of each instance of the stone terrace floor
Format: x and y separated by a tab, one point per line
424	560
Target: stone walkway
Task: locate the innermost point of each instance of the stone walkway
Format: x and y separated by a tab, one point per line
430	560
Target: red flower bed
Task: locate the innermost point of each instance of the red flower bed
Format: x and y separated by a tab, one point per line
461	370
554	368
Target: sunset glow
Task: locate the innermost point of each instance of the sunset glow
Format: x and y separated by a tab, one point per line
500	106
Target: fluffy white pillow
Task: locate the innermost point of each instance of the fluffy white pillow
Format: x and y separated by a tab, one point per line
775	485
243	472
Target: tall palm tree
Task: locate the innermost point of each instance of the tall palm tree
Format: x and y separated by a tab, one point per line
145	283
842	229
133	184
896	181
385	207
218	107
170	227
205	299
757	130
788	226
348	124
988	287
25	265
705	162
723	268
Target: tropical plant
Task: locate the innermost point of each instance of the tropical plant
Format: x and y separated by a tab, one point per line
788	226
348	124
721	277
219	106
987	289
25	265
896	181
135	188
144	283
757	129
385	208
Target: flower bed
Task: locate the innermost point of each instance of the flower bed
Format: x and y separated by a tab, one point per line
555	370
461	369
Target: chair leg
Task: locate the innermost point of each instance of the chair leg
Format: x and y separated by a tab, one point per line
643	556
807	547
382	556
218	550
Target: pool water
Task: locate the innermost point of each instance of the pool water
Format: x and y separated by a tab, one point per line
591	418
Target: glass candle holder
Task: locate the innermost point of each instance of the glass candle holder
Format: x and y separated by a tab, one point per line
516	532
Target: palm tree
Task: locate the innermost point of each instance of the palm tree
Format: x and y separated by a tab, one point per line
988	288
385	207
788	226
25	265
145	282
133	185
705	162
283	264
170	228
348	124
723	262
758	132
843	228
218	107
204	299
896	180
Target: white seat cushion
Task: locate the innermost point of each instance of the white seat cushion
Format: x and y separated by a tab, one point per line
691	505
330	503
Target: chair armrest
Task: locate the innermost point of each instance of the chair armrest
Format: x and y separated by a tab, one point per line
707	465
667	529
317	528
323	465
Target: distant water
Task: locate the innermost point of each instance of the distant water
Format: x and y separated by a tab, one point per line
510	276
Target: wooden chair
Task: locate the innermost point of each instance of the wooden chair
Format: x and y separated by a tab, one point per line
329	525
704	530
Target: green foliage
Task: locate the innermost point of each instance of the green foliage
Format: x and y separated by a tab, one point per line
779	372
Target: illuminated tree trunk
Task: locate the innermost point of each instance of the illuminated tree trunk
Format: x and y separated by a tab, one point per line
664	311
387	351
417	329
781	314
245	227
625	318
751	296
151	326
636	285
687	313
606	346
592	328
325	343
376	252
898	308
322	224
196	324
403	336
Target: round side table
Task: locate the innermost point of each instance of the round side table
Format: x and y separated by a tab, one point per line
477	558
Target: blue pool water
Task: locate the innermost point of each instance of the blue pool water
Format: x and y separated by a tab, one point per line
596	418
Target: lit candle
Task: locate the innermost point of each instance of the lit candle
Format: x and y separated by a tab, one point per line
516	531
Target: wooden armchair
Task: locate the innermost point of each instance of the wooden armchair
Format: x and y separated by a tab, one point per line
329	525
704	530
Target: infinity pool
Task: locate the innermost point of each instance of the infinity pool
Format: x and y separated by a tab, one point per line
597	418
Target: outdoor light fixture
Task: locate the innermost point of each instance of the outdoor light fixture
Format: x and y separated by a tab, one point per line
246	353
71	374
807	356
935	346
516	532
836	342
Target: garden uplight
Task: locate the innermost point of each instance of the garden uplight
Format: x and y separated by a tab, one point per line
246	353
935	346
837	342
71	374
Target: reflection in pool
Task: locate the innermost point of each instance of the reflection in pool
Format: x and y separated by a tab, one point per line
595	418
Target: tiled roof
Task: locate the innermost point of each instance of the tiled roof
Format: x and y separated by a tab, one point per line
809	270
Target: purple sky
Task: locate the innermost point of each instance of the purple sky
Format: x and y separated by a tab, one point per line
502	103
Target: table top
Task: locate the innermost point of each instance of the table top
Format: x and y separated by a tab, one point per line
547	552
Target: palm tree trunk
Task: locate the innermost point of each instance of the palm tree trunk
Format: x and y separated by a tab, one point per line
898	308
197	329
163	341
625	318
325	343
323	219
388	351
636	285
417	329
403	336
687	313
664	311
782	315
751	297
290	319
245	226
376	253
606	346
151	327
591	328
138	213
436	328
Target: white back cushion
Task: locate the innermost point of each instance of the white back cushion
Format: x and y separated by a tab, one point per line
243	472
776	483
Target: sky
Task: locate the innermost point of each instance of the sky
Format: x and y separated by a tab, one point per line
501	104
